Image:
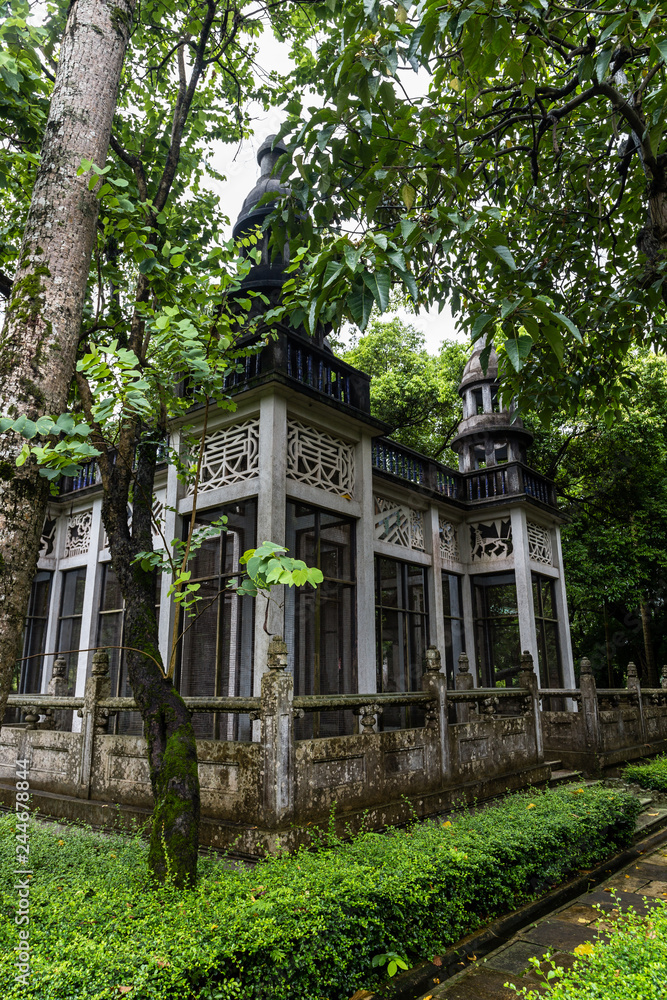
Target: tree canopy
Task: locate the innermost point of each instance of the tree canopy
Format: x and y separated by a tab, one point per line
612	485
521	178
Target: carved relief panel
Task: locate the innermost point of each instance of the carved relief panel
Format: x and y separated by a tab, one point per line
491	539
77	539
449	542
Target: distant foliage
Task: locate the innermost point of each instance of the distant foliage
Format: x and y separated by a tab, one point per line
413	391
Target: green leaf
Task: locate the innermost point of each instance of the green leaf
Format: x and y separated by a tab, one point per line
505	255
602	64
480	324
569	325
662	48
360	303
518	349
408	195
379	283
147	265
554	340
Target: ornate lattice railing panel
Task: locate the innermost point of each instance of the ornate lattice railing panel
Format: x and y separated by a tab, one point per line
319	459
539	544
230	456
398	524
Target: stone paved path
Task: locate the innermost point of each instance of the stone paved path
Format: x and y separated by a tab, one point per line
561	931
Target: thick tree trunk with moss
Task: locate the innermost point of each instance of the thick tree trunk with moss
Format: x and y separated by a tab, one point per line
40	335
170	737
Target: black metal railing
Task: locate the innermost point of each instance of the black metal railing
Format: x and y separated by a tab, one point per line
511	479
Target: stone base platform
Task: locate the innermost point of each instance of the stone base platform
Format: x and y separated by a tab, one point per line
251	841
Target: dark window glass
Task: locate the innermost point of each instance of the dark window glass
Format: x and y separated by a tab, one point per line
34	635
452	605
495	403
69	623
27	676
497	629
320	624
478	400
216	648
111	634
401	617
546	624
480	458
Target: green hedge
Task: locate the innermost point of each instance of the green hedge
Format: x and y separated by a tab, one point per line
299	927
632	965
652	774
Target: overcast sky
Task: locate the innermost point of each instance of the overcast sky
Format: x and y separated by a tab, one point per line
239	165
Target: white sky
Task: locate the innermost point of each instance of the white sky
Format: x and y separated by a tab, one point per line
239	165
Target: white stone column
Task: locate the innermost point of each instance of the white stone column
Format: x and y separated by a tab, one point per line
365	567
51	636
91	601
564	637
435	606
469	622
524	587
172	529
270	520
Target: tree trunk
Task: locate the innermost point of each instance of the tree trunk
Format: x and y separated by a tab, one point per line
39	340
652	238
170	737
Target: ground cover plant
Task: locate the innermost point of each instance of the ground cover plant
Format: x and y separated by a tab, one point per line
304	926
630	965
652	774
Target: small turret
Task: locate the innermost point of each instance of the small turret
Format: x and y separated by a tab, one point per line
487	435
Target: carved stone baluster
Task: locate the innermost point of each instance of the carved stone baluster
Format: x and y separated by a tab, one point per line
528	680
278	735
58	689
589	706
635	690
434	683
31	713
367	718
95	720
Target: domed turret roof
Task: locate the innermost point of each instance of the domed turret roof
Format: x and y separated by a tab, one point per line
267	158
474	372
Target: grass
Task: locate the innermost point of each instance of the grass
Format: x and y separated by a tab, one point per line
651	774
630	965
305	926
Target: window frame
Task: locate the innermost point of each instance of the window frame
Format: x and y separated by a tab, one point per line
72	666
486	623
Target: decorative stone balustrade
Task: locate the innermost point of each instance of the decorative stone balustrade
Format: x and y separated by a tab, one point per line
475	742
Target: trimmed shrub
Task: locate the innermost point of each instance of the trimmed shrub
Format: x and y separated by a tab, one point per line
652	774
294	927
631	965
